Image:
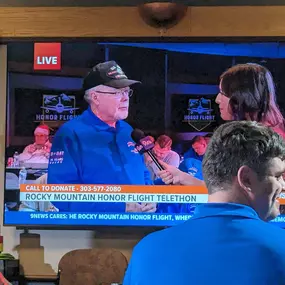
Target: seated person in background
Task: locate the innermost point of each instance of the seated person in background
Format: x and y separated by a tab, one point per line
162	150
172	175
39	151
42	206
193	165
198	149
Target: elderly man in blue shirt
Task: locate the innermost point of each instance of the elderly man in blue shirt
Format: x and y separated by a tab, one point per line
96	147
228	241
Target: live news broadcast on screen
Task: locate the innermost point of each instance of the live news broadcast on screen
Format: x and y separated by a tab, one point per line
89	124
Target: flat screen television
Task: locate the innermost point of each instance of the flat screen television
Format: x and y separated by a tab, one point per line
68	163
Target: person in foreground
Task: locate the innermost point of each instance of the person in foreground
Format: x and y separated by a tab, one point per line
229	239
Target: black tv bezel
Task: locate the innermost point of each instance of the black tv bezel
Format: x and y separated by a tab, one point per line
122	231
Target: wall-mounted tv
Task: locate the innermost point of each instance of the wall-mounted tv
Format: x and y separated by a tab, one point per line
71	159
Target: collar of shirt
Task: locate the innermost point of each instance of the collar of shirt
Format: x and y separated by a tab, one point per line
99	124
224	209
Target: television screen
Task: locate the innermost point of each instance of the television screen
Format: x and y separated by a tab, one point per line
85	120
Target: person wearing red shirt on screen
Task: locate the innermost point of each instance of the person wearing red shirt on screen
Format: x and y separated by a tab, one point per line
247	92
162	150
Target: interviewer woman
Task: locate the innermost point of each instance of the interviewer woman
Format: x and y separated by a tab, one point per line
247	92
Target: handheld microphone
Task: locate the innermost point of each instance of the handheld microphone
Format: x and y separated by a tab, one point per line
144	144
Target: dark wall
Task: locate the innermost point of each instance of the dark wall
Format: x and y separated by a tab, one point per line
148	101
196	68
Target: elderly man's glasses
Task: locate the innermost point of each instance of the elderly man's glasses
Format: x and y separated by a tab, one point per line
120	93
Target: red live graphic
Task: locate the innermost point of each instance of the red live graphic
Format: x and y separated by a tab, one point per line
47	56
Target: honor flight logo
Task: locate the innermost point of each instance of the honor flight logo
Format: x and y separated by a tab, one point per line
57	108
200	113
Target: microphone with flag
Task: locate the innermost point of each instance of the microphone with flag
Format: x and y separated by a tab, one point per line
144	144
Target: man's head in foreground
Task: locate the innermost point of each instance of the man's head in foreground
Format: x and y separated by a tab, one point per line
244	163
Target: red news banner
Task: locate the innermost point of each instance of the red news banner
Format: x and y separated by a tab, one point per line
116	193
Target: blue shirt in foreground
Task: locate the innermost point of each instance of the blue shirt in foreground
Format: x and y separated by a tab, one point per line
86	150
223	244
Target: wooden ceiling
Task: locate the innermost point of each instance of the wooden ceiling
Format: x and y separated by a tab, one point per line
96	3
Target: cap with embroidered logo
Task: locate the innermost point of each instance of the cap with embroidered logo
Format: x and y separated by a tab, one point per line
107	73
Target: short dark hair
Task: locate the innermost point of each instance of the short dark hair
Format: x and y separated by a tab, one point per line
199	139
236	144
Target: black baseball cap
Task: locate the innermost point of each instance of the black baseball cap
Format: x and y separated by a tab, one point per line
107	73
